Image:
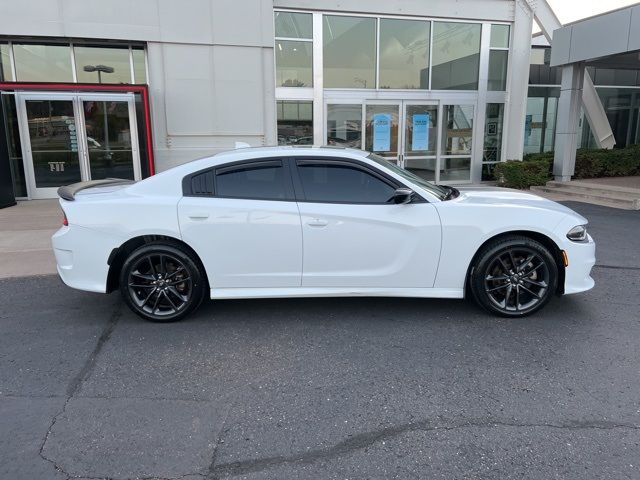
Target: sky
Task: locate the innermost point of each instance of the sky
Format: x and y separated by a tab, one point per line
572	10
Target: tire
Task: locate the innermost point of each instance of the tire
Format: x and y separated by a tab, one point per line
513	276
162	282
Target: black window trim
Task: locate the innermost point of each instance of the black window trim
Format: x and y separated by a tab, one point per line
243	164
348	162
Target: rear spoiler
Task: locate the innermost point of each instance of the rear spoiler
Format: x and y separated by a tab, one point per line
68	192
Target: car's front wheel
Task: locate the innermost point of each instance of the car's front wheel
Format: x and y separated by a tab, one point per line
514	276
162	282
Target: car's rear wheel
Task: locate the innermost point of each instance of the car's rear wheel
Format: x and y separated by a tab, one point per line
162	282
514	276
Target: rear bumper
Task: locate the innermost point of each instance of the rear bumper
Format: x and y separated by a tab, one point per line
81	257
582	258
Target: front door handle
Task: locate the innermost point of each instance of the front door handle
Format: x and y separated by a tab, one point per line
198	215
318	222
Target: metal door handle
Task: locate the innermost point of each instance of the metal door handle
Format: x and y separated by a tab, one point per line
198	216
318	222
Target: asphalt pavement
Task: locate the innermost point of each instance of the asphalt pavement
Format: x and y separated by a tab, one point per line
327	388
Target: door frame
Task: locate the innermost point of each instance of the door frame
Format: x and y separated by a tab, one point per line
77	98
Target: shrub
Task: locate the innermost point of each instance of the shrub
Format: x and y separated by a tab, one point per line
537	168
523	174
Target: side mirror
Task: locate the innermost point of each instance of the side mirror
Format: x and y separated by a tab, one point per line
402	196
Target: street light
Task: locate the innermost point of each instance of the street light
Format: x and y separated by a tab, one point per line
98	68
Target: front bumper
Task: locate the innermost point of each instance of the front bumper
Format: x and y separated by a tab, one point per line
582	258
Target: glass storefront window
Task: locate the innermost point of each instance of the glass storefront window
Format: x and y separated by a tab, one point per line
102	65
349	52
294	64
456	56
295	122
458	129
498	60
5	64
381	130
404	54
293	25
500	36
139	66
43	63
344	125
494	120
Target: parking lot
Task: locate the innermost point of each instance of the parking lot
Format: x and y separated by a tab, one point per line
327	388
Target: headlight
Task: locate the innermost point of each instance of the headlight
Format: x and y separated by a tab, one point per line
578	234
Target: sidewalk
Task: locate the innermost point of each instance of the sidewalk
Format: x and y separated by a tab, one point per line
25	238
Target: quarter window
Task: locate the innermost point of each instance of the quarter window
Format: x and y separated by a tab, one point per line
337	183
265	181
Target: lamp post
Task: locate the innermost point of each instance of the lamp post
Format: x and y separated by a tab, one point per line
98	68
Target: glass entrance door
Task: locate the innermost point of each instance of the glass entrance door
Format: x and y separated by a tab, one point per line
69	138
420	139
50	128
382	130
108	135
429	138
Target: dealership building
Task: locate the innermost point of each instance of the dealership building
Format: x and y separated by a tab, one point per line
93	89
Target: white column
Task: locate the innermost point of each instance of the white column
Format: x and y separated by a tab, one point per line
516	107
569	106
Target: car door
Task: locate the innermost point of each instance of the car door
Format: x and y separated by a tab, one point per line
243	221
353	233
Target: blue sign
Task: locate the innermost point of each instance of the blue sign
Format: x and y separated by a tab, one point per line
420	138
381	132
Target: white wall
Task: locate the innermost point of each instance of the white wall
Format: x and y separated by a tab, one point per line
210	63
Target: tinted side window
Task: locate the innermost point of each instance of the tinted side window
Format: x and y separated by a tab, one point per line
264	181
342	183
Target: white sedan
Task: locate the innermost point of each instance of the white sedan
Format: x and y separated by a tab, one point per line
315	222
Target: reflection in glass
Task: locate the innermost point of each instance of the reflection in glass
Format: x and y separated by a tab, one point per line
43	63
493	133
456	56
293	25
139	66
344	125
5	65
423	167
404	53
295	122
349	52
381	130
498	60
455	169
499	36
458	129
103	60
294	64
108	132
54	142
14	147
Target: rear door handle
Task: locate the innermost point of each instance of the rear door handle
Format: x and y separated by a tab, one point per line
318	222
198	215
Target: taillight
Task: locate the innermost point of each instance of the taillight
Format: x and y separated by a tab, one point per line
65	222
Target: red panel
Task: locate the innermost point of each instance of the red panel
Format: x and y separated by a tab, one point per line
92	87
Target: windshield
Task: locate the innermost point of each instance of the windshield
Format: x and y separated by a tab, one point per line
436	190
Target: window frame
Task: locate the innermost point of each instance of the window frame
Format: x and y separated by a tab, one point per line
296	162
242	165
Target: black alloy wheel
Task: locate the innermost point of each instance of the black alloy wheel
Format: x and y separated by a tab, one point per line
514	277
161	282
